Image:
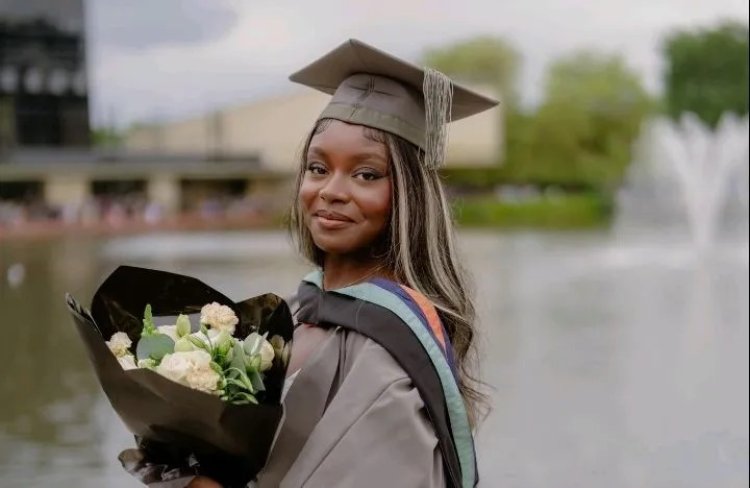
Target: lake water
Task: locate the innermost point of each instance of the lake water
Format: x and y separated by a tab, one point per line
617	363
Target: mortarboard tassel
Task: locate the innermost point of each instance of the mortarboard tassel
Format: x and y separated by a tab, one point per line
438	97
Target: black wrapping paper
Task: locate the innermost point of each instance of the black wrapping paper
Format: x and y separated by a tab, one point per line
174	425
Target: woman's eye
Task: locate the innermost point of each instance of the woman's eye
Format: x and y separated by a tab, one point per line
316	168
367	175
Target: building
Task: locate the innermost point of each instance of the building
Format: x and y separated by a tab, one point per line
238	159
43	89
275	128
48	171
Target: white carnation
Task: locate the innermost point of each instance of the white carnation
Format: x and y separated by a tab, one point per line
119	344
219	317
204	379
190	368
169	330
127	362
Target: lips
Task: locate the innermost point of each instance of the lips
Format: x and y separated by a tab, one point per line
331	221
328	215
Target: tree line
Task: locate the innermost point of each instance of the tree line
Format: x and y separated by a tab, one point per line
593	103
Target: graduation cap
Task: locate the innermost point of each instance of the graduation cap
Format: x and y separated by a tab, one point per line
373	88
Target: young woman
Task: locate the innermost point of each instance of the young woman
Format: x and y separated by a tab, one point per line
380	385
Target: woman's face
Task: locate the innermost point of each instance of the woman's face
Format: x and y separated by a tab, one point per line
345	193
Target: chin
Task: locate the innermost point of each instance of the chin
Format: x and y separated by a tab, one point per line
350	242
341	244
337	248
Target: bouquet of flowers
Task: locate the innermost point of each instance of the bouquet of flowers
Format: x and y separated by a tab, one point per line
202	395
209	359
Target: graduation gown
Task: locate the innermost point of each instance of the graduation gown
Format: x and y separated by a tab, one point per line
377	404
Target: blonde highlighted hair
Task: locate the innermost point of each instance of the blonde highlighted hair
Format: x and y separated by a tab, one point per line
418	248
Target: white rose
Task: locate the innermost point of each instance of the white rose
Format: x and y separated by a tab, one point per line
219	317
168	330
266	355
127	362
190	368
119	344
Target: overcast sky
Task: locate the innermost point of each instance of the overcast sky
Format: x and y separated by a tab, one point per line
153	60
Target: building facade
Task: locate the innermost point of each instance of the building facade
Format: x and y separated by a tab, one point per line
238	158
275	128
43	83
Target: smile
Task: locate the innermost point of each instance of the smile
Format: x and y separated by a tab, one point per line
330	223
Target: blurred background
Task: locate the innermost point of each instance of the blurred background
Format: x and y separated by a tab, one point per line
603	211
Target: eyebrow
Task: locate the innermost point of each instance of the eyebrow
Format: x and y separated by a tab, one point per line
316	150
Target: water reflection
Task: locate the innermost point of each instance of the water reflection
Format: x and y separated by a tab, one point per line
49	394
606	372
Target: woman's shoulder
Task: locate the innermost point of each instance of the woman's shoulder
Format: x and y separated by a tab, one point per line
364	356
415	308
397	317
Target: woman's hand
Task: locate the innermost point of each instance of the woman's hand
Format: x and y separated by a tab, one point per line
203	482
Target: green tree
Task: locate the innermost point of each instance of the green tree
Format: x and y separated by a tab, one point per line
592	111
707	71
485	59
106	137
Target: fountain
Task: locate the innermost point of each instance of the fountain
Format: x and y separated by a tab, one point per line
688	183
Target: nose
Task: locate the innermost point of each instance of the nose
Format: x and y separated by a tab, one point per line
335	188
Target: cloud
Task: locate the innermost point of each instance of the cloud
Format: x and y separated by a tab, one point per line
175	79
189	69
137	25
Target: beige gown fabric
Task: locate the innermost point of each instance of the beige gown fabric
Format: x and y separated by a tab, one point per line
353	419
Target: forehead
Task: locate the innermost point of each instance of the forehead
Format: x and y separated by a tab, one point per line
344	137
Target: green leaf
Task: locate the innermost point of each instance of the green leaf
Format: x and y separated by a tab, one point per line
252	344
246	381
257	381
217	357
239	378
253	363
238	357
238	383
232	372
245	397
210	344
224	341
154	346
198	342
